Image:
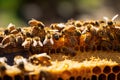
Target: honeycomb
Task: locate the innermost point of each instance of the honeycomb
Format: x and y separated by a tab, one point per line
75	50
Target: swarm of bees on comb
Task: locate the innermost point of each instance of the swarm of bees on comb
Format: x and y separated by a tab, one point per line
75	50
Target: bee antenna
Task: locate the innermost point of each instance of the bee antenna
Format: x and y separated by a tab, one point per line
106	18
115	17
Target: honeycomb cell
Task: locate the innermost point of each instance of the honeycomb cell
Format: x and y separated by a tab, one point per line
96	70
58	50
6	77
26	77
72	78
94	77
118	76
76	48
52	51
60	78
78	78
84	78
2	68
0	78
88	78
87	48
33	77
111	76
81	48
17	77
107	69
116	69
102	77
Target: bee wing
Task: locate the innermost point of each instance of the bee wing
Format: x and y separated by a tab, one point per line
61	25
84	31
106	18
3	59
51	41
45	41
44	55
40	43
114	17
23	43
34	43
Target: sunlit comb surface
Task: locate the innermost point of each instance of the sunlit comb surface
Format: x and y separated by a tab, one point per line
75	50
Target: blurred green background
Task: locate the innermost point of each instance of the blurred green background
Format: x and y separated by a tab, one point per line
19	12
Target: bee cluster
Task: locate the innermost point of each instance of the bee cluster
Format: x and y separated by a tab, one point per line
66	38
75	35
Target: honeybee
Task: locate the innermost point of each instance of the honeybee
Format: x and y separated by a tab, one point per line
19	39
37	42
49	36
3	67
9	40
78	23
110	22
34	22
20	62
41	58
11	27
59	26
3	59
27	43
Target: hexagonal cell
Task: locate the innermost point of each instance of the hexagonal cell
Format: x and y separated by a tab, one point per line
78	78
58	50
102	77
76	48
88	79
94	77
18	77
116	69
118	76
81	48
84	78
72	78
6	77
96	70
26	77
107	69
87	48
59	78
52	51
111	76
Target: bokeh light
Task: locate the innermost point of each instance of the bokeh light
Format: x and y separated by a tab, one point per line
19	12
